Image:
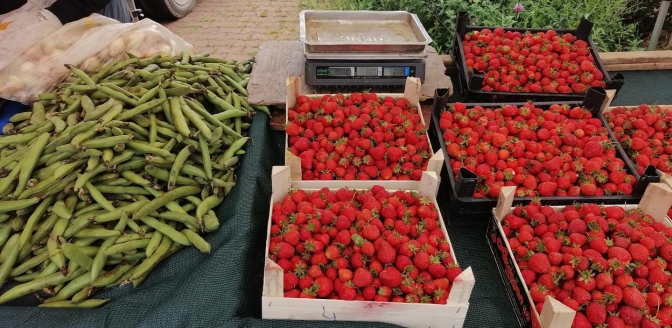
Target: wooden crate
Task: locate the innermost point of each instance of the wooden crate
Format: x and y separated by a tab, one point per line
656	201
411	92
275	306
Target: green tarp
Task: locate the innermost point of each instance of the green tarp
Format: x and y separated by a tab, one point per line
223	289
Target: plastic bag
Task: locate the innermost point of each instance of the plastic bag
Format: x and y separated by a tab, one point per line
35	73
36	66
22	30
142	39
31	5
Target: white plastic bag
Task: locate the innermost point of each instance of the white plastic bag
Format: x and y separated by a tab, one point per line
36	67
142	39
22	30
31	5
37	71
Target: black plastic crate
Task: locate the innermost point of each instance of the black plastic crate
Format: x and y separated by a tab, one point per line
626	158
470	84
468	210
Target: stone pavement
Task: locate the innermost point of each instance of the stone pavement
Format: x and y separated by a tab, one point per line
234	29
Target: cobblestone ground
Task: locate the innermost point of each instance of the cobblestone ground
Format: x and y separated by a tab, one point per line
234	29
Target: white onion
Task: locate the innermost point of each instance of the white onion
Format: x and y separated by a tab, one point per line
90	64
33	53
134	39
26	67
116	47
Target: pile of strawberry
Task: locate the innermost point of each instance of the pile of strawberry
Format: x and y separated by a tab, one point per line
368	245
562	151
611	265
358	137
541	62
646	134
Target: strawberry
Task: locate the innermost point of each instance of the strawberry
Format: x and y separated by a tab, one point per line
283	250
324	286
390	277
362	278
638	252
633	298
421	260
386	253
580	321
630	315
596	313
547	188
539	263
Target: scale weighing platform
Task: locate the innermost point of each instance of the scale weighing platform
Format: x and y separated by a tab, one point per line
354	49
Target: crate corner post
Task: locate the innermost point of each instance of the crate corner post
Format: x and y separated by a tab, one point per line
436	162
504	202
429	184
293	85
657	199
273	275
294	163
412	90
462	287
280	182
556	314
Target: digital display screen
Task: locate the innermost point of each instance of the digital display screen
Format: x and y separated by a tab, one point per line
395	71
368	71
341	71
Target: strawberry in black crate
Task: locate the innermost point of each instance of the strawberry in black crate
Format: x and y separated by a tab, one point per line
499	64
559	152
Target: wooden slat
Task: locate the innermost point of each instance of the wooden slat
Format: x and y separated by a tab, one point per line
635	57
275	62
638	67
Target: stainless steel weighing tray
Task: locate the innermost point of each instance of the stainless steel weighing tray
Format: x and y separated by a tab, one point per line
324	31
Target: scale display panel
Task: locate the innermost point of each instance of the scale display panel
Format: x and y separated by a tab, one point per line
371	72
354	73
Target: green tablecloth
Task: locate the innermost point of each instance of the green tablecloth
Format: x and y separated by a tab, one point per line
223	289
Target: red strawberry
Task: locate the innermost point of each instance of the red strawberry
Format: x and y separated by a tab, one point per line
580	321
324	286
386	253
390	277
630	315
283	250
596	313
633	298
362	278
421	260
539	263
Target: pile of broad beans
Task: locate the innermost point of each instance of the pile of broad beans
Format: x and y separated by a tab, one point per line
111	173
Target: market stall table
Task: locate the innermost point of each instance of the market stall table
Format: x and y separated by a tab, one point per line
223	289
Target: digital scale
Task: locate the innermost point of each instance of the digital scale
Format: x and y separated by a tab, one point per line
351	49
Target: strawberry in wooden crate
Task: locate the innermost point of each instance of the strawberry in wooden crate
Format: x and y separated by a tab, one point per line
610	264
358	137
367	245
